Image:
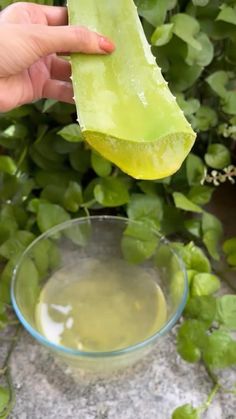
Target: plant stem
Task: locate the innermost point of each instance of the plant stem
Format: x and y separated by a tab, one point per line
88	204
211	375
210	398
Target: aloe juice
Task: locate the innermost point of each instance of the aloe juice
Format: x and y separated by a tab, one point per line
100	305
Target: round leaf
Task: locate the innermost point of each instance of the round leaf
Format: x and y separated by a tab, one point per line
204	284
4	399
195	169
200	194
162	35
186	27
145	208
226	311
194	258
7	165
186	411
71	133
182	202
50	215
101	166
220	350
217	156
111	192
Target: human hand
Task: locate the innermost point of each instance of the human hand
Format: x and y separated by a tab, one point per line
30	37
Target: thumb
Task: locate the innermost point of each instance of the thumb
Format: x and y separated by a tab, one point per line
59	39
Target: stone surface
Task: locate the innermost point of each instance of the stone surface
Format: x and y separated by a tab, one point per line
149	390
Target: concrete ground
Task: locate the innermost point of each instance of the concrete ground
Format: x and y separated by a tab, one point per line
149	390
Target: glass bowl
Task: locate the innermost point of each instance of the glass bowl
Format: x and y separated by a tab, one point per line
98	242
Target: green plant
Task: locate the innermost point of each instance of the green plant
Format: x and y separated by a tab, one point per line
49	174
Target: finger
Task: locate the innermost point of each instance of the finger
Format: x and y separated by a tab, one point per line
22	12
58	90
56	16
51	39
60	69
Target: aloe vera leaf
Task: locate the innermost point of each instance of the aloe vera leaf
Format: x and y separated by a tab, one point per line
125	108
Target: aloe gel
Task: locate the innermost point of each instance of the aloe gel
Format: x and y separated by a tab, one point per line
100	305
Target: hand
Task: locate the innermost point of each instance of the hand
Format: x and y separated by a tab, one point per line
30	37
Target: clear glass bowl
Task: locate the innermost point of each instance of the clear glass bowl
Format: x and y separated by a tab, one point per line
100	237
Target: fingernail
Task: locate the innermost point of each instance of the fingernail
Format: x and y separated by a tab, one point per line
106	45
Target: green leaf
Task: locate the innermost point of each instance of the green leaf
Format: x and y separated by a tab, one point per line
173	220
182	202
203	57
162	35
148	187
55	177
205	118
229	248
219	350
229	103
145	208
8	226
48	104
40	256
186	28
194	258
194	331
189	106
80	159
101	166
50	215
226	311
186	411
210	222
188	351
4	399
211	240
201	308
28	279
182	75
7	165
193	226
51	193
204	284
200	194
217	81
138	242
195	169
111	192
227	14
71	133
79	234
73	197
16	244
217	156
154	11
190	339
212	232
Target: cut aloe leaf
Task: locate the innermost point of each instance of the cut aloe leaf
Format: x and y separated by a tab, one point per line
125	108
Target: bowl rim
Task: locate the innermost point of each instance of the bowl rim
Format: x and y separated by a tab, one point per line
97	354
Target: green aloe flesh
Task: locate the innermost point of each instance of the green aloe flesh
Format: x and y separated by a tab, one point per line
125	108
